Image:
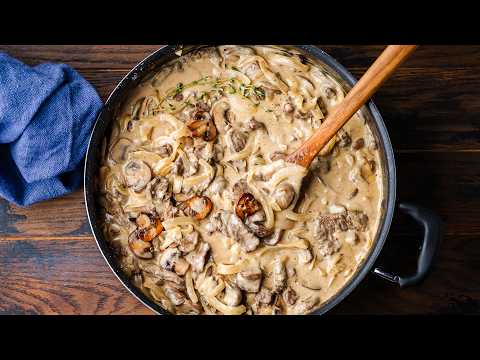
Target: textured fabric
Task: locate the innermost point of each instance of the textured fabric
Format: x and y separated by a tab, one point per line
46	116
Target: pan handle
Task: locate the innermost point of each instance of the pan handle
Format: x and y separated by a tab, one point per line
432	225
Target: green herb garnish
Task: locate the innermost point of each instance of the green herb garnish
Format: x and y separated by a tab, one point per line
179	88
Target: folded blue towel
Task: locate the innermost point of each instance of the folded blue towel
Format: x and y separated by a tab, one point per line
46	116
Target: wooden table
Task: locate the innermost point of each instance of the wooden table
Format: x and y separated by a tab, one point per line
49	263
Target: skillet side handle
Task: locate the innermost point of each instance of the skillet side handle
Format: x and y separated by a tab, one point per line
432	225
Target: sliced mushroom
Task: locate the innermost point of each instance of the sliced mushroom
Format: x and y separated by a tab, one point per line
178	168
238	139
255	125
198	207
204	150
330	93
203	126
279	275
164	150
168	258
181	266
160	188
265	296
304	256
231	225
233	295
247	205
119	151
256	224
283	195
252	70
137	174
239	188
176	296
163	274
274	238
289	296
249	280
188	242
197	258
141	249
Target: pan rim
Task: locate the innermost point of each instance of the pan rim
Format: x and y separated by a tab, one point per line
389	196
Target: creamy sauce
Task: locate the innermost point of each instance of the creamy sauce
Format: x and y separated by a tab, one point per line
200	145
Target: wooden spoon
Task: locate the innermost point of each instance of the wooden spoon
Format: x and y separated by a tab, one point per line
378	72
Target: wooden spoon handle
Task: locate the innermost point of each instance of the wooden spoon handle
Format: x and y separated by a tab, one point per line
378	72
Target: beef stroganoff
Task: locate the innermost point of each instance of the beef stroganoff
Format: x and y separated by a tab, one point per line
198	204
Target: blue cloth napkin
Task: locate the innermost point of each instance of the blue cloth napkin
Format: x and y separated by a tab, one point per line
46	116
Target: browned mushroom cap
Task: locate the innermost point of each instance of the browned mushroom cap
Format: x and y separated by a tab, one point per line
203	126
147	234
151	232
198	207
247	205
140	248
137	174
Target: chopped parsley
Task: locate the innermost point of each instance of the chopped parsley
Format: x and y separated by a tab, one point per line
179	88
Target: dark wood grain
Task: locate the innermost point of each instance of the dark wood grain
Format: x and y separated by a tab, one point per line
60	277
49	262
